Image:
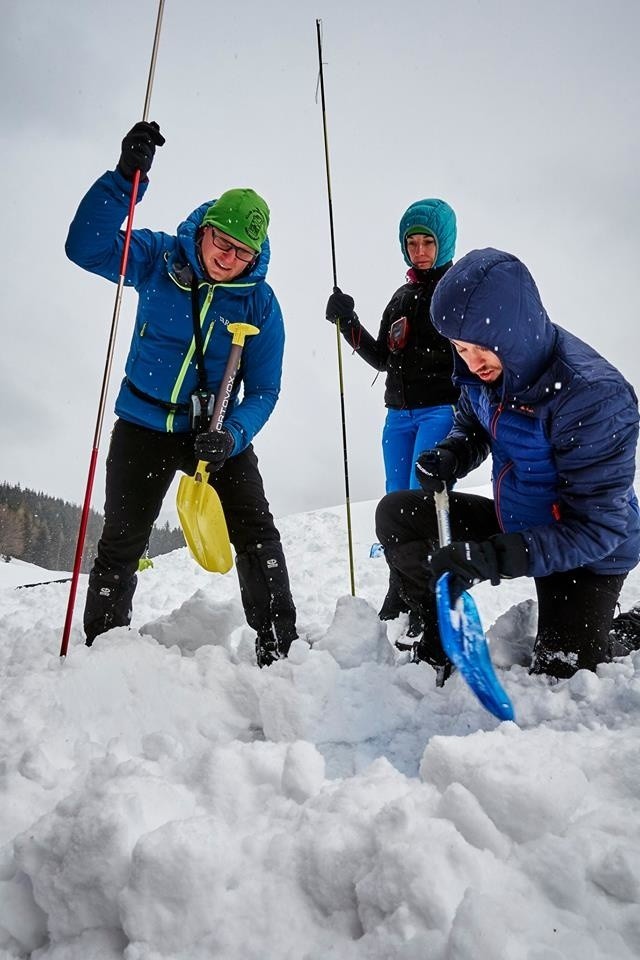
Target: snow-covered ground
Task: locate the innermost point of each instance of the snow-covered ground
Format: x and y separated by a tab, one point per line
163	798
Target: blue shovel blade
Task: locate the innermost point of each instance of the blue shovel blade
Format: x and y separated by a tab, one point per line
465	644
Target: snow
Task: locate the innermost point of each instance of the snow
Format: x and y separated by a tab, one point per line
16	573
162	798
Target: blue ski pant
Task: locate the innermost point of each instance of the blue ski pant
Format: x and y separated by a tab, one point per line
406	434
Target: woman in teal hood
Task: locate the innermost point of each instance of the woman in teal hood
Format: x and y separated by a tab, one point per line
419	395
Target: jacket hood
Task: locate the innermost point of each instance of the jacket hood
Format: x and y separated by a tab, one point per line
188	248
438	219
490	299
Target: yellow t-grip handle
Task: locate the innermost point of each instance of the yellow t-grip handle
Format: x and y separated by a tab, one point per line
240	331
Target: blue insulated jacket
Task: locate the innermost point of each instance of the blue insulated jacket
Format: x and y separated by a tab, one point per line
561	424
161	365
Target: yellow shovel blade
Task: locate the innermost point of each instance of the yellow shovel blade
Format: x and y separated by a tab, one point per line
203	523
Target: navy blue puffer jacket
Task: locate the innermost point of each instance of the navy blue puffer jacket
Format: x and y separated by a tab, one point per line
561	424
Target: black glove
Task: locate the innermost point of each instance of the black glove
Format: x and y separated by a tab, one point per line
435	469
214	446
138	148
468	563
340	309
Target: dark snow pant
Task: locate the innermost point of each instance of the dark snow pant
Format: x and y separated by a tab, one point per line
141	465
393	604
575	607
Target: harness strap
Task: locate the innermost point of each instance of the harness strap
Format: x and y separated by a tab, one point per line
173	407
197	334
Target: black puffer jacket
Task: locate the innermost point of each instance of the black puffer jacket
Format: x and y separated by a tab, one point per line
418	375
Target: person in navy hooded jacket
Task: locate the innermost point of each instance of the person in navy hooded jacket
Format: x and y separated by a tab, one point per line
561	425
212	273
419	394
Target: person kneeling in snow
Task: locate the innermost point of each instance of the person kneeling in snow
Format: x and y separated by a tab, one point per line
190	287
561	424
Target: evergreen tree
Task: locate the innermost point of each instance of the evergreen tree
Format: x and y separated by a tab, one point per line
43	530
11	532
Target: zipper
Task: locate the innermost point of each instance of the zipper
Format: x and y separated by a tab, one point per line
498	489
175	393
493	426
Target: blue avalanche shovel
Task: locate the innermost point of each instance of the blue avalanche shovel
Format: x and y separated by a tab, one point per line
462	635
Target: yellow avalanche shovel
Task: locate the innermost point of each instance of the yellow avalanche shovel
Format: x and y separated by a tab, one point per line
199	508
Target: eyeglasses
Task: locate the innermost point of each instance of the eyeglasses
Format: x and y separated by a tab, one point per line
247	256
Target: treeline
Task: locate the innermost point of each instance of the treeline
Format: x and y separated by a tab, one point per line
44	530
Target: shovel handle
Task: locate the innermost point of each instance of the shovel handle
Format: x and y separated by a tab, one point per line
442	513
239	332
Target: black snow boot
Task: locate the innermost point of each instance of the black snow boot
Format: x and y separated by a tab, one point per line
624	636
553	662
424	636
428	649
415	628
393	604
267	651
266	598
109	602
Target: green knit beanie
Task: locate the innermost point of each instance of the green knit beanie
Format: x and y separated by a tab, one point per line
242	214
419	228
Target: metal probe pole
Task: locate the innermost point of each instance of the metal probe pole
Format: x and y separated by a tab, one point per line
109	360
338	341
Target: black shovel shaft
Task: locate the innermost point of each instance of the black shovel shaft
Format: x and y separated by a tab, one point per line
226	388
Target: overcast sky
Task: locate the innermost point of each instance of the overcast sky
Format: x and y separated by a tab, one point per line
522	115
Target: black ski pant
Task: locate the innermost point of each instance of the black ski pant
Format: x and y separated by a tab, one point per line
575	607
141	465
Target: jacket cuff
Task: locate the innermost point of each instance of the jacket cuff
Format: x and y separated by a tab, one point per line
512	553
233	433
124	185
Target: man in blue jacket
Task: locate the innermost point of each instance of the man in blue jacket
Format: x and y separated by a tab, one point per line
561	424
190	288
